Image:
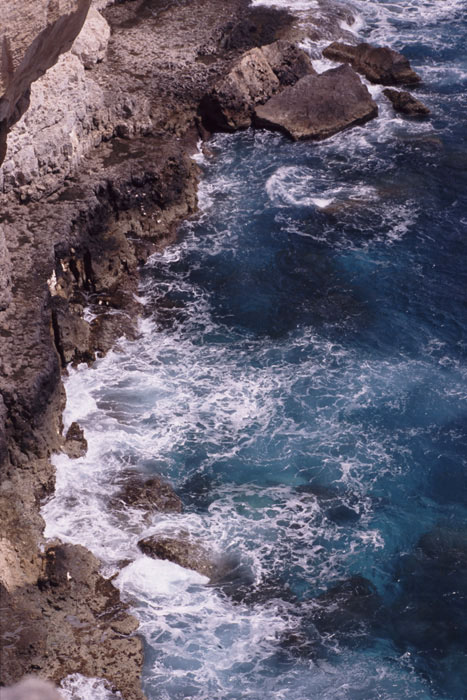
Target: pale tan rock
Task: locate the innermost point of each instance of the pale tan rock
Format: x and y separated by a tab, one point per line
91	43
230	104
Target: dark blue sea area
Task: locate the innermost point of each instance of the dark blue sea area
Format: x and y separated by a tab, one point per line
301	379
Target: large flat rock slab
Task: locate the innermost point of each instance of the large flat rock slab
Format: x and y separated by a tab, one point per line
318	106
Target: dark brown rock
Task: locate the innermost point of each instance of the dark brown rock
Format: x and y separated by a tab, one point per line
319	106
180	550
75	443
61	623
406	103
288	62
379	64
153	494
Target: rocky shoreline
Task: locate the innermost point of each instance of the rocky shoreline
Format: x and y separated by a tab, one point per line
96	177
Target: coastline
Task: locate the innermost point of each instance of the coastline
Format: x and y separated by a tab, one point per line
73	236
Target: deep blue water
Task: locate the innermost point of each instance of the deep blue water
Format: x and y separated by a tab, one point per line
301	379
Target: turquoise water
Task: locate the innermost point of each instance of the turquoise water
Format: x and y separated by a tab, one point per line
301	380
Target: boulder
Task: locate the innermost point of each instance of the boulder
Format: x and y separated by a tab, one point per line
153	494
181	550
76	444
379	64
229	106
406	103
288	62
91	43
318	106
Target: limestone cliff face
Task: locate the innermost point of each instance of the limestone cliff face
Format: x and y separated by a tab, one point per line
33	35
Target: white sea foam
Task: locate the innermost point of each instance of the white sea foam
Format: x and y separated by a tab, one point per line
78	687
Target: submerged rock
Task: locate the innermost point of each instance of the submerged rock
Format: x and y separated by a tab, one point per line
318	106
406	103
347	614
181	550
379	64
153	494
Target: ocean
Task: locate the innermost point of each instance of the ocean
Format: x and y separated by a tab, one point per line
300	377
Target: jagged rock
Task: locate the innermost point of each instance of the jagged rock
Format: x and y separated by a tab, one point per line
72	334
153	494
379	64
319	106
406	103
180	550
61	622
230	104
33	35
76	444
31	689
255	77
91	43
288	62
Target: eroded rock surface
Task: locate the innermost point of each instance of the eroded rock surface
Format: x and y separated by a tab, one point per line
71	618
319	106
181	550
152	494
255	77
406	103
379	64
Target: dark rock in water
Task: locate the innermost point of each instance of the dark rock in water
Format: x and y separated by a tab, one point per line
346	610
196	491
343	515
347	613
288	62
406	103
429	618
75	443
180	550
318	106
430	613
379	64
153	494
234	578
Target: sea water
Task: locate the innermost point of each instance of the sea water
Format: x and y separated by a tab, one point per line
301	379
